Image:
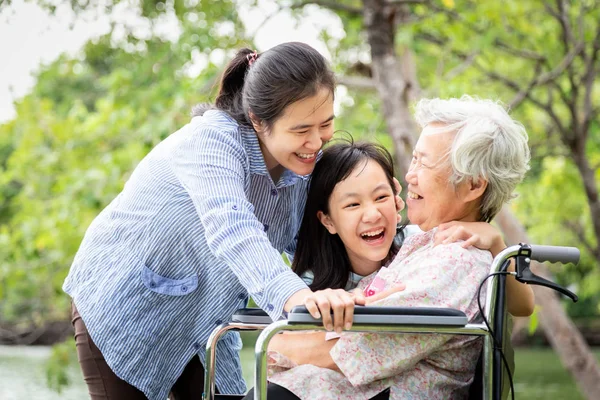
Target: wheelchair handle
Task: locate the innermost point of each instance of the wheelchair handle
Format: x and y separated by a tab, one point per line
527	252
554	254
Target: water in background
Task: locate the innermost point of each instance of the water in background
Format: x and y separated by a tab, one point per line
23	376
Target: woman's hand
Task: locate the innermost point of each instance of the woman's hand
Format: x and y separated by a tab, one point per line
323	303
479	234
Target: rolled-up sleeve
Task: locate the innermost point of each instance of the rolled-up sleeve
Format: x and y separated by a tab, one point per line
212	166
450	278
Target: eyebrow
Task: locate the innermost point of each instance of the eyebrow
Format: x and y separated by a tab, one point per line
353	194
304	126
420	153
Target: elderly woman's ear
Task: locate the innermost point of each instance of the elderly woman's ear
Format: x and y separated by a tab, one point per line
476	189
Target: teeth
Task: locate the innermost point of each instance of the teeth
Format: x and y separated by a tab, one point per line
372	233
413	195
306	156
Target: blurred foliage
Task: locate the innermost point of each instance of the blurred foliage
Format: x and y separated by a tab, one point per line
57	375
91	118
86	124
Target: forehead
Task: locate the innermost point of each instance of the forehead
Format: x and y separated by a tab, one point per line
316	107
434	141
364	178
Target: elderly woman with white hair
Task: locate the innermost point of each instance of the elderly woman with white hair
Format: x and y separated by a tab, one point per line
468	160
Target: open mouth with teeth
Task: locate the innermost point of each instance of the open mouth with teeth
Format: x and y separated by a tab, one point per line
373	236
306	157
413	195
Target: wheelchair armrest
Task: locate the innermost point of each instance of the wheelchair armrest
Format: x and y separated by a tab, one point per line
251	316
422	316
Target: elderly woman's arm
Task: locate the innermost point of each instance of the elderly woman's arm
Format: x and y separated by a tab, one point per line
444	276
520	299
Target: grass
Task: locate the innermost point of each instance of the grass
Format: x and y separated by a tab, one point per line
539	373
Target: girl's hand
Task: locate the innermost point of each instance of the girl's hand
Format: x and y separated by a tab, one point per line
479	234
362	300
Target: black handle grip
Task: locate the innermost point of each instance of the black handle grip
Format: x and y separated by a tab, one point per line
553	254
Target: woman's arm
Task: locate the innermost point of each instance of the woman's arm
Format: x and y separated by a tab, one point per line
312	347
520	299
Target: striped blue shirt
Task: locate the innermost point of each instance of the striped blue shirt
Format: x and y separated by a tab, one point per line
199	225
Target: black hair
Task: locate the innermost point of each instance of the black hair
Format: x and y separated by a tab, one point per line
319	251
280	76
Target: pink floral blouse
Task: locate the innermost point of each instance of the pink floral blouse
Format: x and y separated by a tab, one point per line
414	366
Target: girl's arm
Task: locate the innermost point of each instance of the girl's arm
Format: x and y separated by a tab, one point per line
520	299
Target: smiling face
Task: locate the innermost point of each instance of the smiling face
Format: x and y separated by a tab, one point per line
432	199
296	137
362	211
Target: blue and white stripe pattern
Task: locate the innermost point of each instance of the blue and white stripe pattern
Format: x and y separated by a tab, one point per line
198	226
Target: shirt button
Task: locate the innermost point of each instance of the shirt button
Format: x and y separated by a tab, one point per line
184	288
274	192
266	227
152	284
197	346
234	207
270	307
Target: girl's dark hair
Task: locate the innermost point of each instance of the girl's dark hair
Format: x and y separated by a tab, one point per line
277	78
319	251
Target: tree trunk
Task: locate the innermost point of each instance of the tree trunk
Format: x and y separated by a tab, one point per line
562	334
391	86
379	21
591	192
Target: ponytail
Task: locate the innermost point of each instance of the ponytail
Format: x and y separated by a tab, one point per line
266	84
231	87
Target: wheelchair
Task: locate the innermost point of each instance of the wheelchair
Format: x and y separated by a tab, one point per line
488	381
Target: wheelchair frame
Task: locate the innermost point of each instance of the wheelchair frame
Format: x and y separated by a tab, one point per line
494	312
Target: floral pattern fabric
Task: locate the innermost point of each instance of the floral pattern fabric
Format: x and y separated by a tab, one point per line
414	366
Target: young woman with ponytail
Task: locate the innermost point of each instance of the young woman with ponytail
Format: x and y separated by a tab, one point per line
200	226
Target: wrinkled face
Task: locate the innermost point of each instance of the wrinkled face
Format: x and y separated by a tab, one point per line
362	211
297	136
431	198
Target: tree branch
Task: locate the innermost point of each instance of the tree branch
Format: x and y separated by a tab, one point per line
564	134
357	82
577	229
395	2
523	53
588	81
332	5
459	69
563	19
562	66
524	92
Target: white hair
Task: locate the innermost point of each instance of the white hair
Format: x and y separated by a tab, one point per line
487	144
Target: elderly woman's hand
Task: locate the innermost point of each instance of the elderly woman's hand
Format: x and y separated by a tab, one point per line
479	234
